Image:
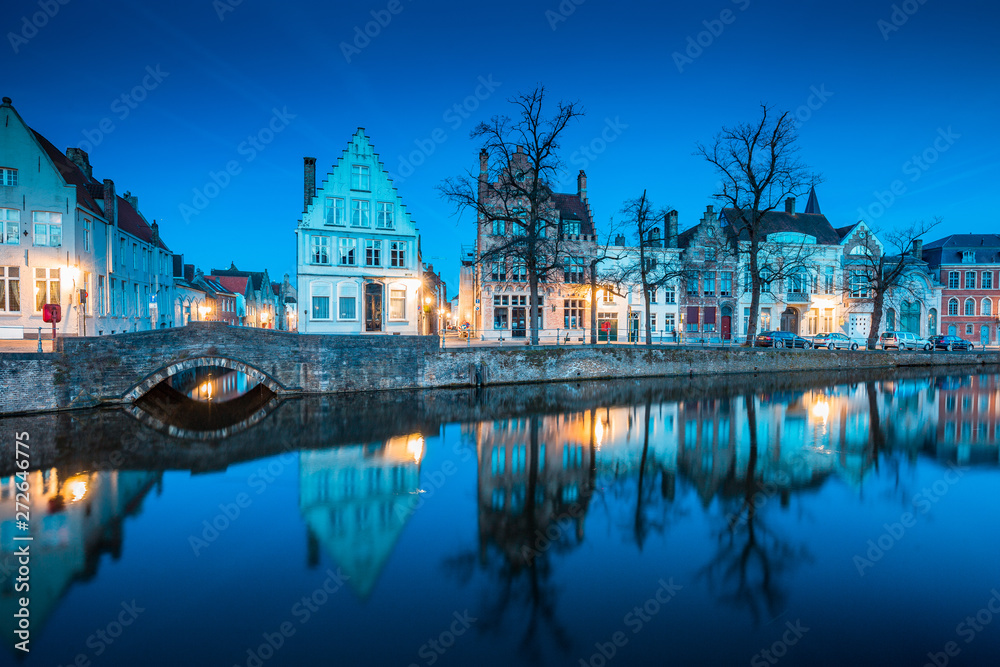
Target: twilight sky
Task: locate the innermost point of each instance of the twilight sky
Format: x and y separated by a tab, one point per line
874	83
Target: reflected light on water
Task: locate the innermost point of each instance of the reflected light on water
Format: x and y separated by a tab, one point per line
821	410
76	488
415	446
599	432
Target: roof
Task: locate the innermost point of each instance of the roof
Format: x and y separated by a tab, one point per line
950	249
571	208
276	289
132	222
969	241
812	206
72	175
235	284
256	277
217	287
775	222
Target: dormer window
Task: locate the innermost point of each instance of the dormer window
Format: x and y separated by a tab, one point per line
968	257
8	176
571	227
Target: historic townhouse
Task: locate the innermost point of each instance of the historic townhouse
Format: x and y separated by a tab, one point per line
259	305
708	286
69	239
968	266
357	250
501	291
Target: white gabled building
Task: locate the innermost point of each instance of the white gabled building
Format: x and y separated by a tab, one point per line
357	250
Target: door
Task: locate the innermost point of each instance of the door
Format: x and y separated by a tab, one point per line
984	335
633	327
518	323
727	323
607	326
373	307
952	331
790	320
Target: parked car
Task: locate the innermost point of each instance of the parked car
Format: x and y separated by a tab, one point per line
781	339
941	342
834	341
903	340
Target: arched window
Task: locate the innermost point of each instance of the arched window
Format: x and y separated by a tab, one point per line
970	307
987	307
953	307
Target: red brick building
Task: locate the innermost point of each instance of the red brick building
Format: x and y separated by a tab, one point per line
968	265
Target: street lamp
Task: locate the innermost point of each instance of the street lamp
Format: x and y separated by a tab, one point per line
204	311
264	315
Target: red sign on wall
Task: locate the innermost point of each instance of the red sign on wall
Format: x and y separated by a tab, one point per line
51	312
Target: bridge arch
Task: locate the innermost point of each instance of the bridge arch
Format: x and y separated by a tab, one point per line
155	378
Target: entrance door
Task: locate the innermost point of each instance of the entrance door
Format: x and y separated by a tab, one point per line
373	307
790	320
952	331
518	323
984	335
727	323
633	327
607	326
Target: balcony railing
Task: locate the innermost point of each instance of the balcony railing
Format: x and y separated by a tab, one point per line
797	297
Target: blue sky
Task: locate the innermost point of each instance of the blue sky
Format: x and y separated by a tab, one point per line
653	77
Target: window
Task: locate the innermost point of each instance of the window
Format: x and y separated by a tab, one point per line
652	295
8	176
709	254
708	283
608	299
573	270
746	320
500	311
970	308
859	285
10	226
360	177
726	284
101	307
987	308
970	280
48	228
669	294
499	227
765	319
135	255
46	287
709	318
397	254
968	257
373	252
145	260
953	307
499	272
968	329
347	302
361	213
346	254
384	220
692	318
668	322
335	213
828	281
953	280
692	288
10	289
140	305
321	293
573	314
397	304
319	249
121	250
828	319
986	282
652	321
571	227
519	271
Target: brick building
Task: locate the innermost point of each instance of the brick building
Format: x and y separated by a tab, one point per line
968	266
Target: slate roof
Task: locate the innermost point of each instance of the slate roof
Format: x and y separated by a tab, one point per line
775	222
948	250
812	206
571	208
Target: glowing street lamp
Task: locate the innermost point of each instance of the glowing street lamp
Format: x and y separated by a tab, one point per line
204	311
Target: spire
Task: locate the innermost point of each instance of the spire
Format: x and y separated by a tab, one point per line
812	206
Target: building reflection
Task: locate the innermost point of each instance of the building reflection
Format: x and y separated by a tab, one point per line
968	419
356	500
209	383
75	517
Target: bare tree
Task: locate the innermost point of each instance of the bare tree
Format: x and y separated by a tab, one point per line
877	269
604	277
513	196
759	168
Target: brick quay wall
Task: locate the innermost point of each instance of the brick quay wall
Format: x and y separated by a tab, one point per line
87	372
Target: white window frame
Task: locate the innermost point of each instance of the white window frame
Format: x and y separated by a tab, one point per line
10	283
319	249
361	213
47	278
965	308
373	252
337	207
10	226
320	290
385	216
346	291
986	307
361	177
347	252
48	222
397	298
397	254
8	176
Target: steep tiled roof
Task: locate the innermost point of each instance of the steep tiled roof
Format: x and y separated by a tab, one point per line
775	222
256	277
235	284
276	289
131	222
217	287
571	208
72	175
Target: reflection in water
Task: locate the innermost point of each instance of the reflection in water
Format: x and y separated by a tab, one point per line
209	383
715	482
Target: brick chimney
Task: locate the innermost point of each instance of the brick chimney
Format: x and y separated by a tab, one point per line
79	157
156	233
189	272
132	200
309	187
918	248
110	203
790	205
484	166
670	230
581	186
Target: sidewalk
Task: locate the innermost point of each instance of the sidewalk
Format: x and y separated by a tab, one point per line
24	345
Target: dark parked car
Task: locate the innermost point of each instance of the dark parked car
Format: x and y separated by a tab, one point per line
781	339
835	340
950	343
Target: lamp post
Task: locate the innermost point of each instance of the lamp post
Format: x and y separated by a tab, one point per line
264	316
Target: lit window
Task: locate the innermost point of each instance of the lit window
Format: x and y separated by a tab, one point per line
321	301
360	177
319	249
384	215
8	176
347	252
48	228
10	226
46	287
335	212
361	213
348	302
397	304
10	289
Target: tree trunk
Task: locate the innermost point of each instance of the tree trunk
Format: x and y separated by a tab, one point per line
755	290
649	329
877	304
593	303
532	315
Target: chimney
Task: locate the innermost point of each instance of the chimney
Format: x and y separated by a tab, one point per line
520	149
790	205
79	157
581	186
670	233
189	272
309	188
918	248
484	166
156	233
620	240
132	200
110	202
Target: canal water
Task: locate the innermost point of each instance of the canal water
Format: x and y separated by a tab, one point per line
794	520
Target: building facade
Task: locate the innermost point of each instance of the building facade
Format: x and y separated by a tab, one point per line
968	268
357	249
